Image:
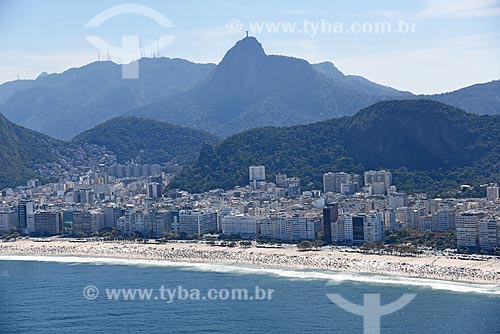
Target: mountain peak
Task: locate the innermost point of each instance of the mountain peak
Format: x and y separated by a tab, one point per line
244	52
329	70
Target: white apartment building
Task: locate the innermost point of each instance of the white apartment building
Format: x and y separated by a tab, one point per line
247	227
467	224
488	233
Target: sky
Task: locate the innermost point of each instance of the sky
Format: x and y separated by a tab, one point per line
431	47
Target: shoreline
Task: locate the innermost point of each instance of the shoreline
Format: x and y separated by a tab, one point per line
334	261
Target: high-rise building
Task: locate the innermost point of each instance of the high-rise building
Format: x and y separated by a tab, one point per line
330	217
196	222
488	233
87	222
339	231
149	224
26	216
364	227
247	227
329	182
340	183
341	178
293	227
378	180
111	215
256	175
492	192
398	200
84	196
8	221
293	186
300	227
443	219
425	223
406	217
48	223
467	224
154	190
270	226
281	180
390	220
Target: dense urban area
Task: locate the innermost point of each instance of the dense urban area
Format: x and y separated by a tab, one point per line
130	201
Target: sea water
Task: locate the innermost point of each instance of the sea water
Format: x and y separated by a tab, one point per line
48	295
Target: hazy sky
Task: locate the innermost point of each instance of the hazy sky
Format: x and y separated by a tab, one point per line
455	43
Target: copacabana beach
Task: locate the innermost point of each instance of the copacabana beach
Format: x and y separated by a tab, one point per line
427	267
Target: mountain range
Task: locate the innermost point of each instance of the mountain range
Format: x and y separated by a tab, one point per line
429	146
248	88
63	105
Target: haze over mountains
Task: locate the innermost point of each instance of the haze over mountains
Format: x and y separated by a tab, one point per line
63	105
482	99
247	89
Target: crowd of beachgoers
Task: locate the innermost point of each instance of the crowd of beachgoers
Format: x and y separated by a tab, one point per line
435	267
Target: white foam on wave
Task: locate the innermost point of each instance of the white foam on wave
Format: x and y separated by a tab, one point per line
332	277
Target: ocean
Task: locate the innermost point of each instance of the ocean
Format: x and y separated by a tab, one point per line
78	295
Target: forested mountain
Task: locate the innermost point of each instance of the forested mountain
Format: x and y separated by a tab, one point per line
428	145
26	154
147	141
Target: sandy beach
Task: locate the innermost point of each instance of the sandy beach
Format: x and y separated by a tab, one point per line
431	267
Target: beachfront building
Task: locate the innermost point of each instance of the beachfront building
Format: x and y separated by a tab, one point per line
87	222
330	217
245	226
488	233
362	228
48	223
195	222
8	221
425	223
111	215
270	226
294	227
301	227
26	216
145	223
467	224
